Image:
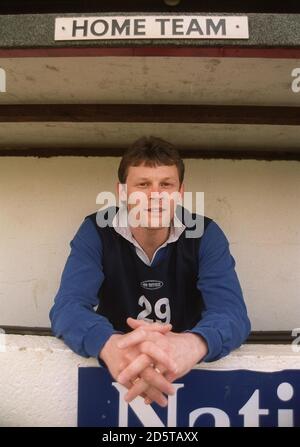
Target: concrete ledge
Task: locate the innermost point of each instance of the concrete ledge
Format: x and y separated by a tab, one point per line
39	376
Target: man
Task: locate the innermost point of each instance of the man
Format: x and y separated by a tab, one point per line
166	300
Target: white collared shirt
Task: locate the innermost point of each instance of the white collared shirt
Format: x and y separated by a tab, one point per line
121	226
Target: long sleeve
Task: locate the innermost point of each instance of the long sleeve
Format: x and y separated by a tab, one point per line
224	324
72	316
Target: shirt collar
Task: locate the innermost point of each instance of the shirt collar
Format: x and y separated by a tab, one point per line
120	224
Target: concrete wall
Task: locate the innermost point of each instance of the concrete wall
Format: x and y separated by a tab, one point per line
43	201
39	377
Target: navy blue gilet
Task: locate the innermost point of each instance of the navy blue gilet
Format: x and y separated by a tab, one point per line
164	293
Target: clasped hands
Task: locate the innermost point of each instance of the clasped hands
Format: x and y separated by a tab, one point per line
150	357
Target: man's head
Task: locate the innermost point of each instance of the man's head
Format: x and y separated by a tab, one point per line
151	152
152	166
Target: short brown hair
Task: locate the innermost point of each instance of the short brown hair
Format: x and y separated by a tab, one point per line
150	151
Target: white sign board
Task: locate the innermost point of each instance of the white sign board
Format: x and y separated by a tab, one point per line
151	27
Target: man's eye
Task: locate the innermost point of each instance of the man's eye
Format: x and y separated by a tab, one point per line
166	184
142	184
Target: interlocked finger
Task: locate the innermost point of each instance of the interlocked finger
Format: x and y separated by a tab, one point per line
149	353
143	389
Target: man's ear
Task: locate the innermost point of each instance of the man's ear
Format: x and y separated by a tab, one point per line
121	192
181	189
117	190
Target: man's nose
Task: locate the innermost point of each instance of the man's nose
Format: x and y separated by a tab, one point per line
153	191
155	187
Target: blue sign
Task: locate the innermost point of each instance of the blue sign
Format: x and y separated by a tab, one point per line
203	398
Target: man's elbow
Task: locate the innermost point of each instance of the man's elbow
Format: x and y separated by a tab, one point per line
244	329
247	328
53	317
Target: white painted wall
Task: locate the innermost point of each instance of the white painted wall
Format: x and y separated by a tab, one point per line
43	202
39	377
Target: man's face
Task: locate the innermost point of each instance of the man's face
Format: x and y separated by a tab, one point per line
159	186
